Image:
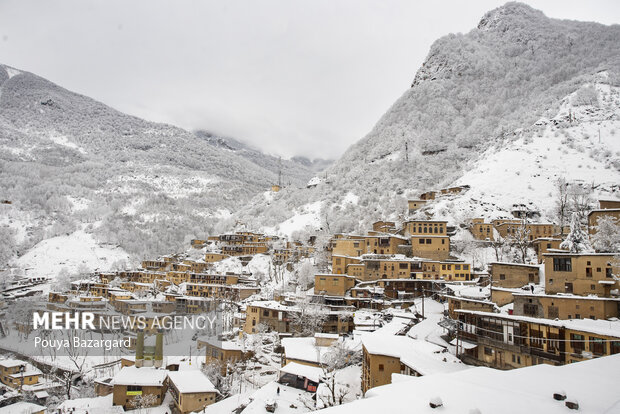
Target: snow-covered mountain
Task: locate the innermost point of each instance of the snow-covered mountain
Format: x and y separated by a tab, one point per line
69	163
296	170
488	108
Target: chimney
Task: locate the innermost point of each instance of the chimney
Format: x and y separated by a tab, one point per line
140	349
159	349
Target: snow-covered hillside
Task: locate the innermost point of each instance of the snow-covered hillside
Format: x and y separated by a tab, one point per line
68	161
526	170
472	116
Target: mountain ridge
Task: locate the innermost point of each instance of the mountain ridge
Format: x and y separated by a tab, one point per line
473	91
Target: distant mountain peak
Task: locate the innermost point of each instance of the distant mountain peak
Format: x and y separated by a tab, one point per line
510	14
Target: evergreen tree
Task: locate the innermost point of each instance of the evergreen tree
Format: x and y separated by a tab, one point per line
577	240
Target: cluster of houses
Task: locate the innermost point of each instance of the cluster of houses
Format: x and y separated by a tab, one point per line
561	308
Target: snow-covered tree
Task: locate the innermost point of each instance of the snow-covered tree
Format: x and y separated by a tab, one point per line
309	319
8	248
577	240
520	240
607	236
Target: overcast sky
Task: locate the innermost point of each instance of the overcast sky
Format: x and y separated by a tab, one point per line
289	77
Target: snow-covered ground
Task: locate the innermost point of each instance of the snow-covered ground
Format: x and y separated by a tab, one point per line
73	252
585	150
308	216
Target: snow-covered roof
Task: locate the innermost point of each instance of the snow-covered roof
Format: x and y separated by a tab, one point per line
271	304
326	335
421	356
191	381
145	376
570	296
10	363
304	349
306	371
486	390
226	345
21	408
515	264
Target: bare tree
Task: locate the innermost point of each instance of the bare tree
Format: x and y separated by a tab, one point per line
520	240
561	203
581	201
338	357
499	245
309	318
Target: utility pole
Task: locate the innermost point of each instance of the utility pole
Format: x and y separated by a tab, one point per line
280	171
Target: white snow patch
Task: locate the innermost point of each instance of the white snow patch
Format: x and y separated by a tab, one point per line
12	71
308	216
73	251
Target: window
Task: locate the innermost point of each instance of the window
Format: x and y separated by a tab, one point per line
502	277
551	281
562	264
576	342
488	351
597	346
134	388
381	367
614	347
421	241
608	272
428	241
530	309
592	287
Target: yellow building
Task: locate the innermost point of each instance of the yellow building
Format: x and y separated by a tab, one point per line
352	246
385	244
389	267
456	303
16	373
458	271
510	341
215	257
509	228
481	230
272	314
580	273
513	275
426	228
384	226
130	383
340	263
545	245
222	352
333	284
414	205
431	247
191	390
565	306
